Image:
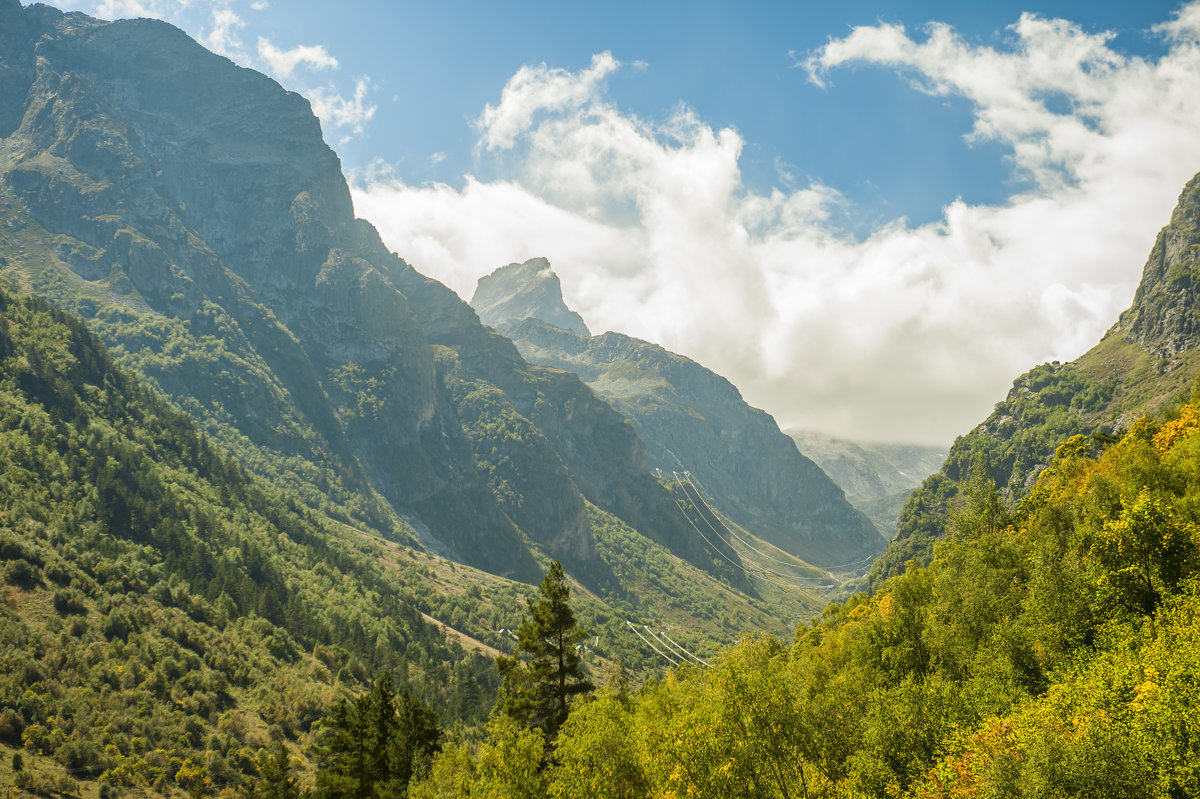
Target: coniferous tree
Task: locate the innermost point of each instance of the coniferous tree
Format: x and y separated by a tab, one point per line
376	743
540	683
276	780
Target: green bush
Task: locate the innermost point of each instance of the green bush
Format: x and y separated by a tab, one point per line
22	573
68	601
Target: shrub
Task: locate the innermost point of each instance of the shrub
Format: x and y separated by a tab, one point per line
82	758
22	573
68	601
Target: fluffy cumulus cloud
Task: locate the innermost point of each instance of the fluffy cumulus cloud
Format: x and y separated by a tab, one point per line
909	334
282	63
338	112
222	35
536	90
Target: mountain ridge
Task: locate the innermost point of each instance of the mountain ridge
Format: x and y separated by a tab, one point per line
691	420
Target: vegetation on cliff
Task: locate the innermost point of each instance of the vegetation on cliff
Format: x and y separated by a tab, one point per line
1149	361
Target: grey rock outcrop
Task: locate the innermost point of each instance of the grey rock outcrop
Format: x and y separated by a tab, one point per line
1165	315
528	290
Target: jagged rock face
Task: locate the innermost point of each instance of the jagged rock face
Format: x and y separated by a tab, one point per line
530	290
16	72
191	211
184	188
692	419
1165	315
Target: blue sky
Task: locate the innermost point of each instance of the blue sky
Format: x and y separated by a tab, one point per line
871	229
433	66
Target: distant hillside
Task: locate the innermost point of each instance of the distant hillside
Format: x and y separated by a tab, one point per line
1149	361
690	420
877	478
864	469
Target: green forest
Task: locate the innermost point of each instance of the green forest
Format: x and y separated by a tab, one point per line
1049	650
172	624
165	616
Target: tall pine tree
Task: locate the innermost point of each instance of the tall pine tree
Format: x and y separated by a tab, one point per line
540	682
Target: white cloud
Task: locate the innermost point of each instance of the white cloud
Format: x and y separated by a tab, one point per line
536	89
223	37
283	63
336	111
1185	27
910	334
127	9
260	5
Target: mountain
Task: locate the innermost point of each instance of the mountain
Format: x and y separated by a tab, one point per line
864	469
163	607
691	420
1145	364
877	478
190	211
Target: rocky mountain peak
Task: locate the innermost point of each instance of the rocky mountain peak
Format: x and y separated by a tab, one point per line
517	292
1165	315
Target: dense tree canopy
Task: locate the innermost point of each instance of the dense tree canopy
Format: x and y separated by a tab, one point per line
376	743
1049	650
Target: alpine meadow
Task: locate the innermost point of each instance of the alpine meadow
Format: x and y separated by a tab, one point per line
285	515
